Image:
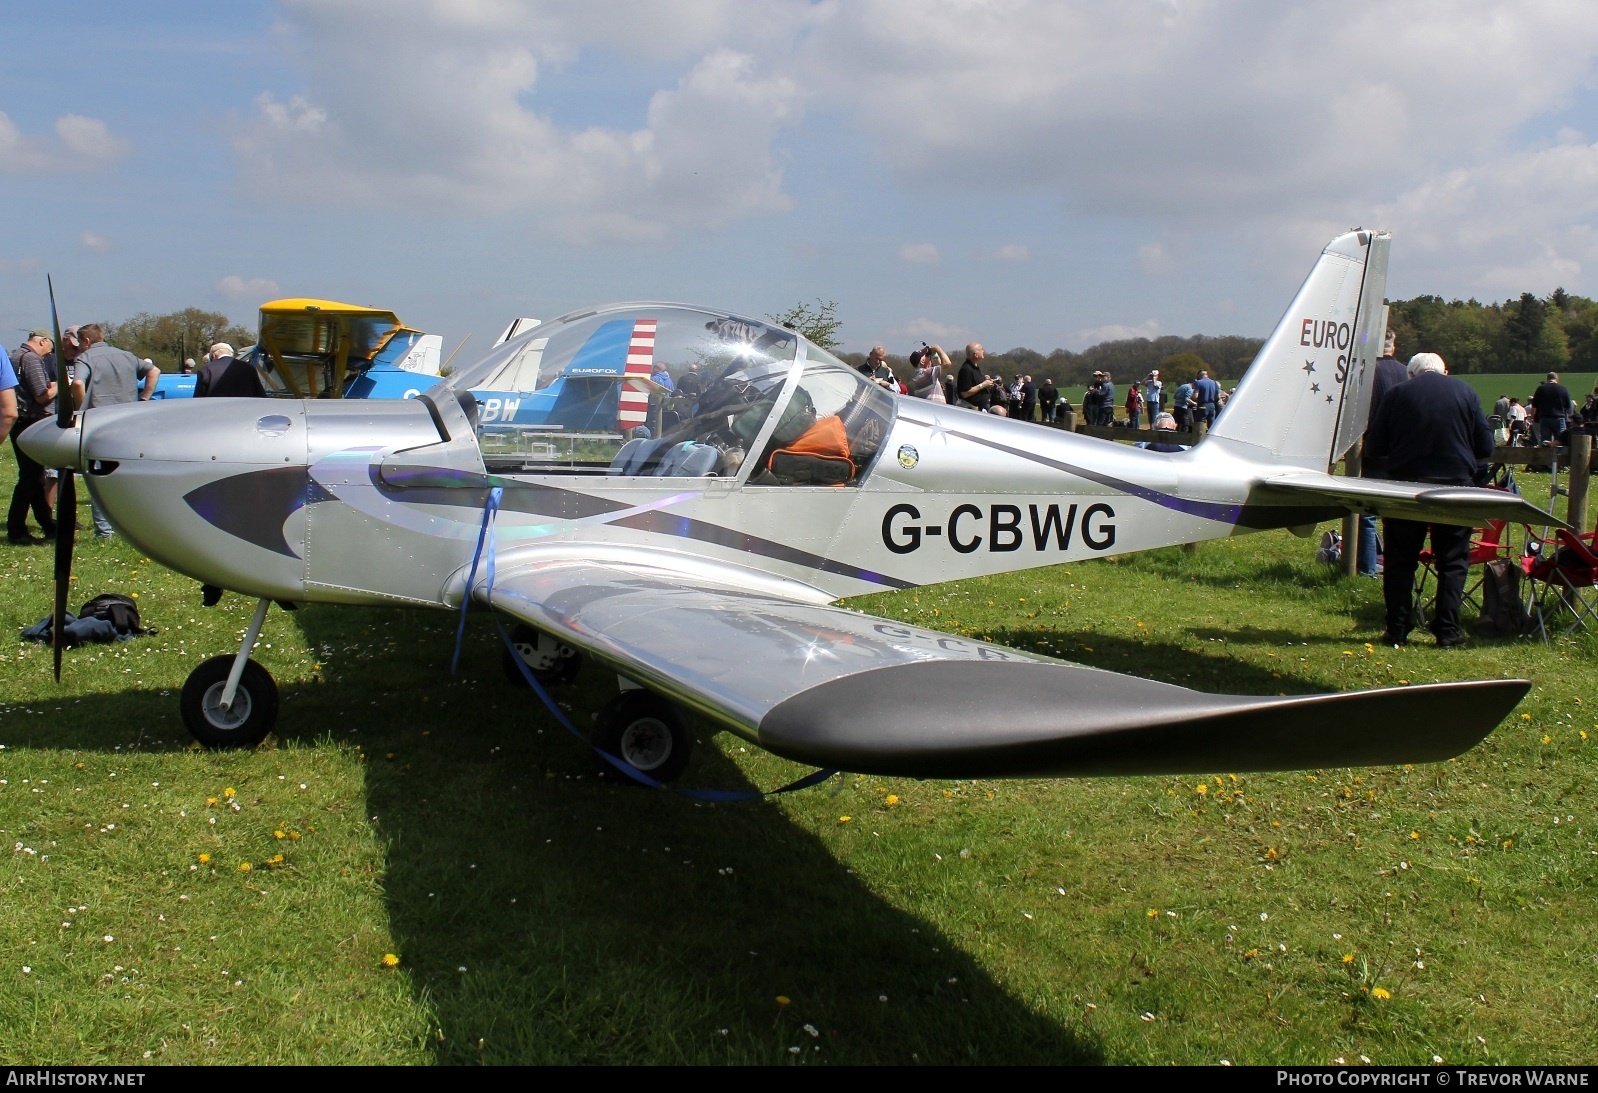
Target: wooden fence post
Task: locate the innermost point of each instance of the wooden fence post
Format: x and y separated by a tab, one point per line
1352	464
1580	472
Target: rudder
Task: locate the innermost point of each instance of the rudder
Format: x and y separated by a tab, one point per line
1304	399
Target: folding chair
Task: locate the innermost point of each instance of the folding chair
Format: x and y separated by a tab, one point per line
1563	578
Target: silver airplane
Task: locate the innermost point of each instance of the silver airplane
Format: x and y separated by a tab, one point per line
694	544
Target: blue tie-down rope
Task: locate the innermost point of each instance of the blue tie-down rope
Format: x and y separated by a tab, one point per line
485	537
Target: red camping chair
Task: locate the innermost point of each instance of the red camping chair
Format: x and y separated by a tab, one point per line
1564	578
1490	545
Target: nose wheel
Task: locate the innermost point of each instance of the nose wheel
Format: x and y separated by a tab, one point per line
231	701
242	723
550	661
646	731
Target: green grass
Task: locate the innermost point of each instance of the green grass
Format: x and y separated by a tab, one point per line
450	822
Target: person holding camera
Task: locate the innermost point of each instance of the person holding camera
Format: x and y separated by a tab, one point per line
974	389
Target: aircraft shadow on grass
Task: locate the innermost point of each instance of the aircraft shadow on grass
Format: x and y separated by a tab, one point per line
643	924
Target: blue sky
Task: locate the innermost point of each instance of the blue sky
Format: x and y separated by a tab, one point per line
1022	173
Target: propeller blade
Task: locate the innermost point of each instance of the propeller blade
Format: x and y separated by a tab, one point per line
66	505
66	523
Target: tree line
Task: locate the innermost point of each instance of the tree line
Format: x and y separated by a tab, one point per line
1529	335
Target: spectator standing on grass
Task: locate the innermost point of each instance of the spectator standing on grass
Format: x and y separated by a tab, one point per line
1551	405
225	376
1134	406
1501	409
1429	429
877	371
927	380
33	364
1029	399
1182	408
1207	393
8	412
109	376
970	384
1389	373
1048	396
1154	394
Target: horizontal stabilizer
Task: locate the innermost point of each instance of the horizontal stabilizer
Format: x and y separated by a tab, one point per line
972	720
1466	505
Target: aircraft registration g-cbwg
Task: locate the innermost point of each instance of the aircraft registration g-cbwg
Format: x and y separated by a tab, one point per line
697	557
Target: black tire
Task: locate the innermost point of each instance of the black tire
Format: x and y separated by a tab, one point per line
645	730
550	661
252	715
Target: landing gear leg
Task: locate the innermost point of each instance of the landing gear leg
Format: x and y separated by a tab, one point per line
231	702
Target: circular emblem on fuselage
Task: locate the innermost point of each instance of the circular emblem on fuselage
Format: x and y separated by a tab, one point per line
908	456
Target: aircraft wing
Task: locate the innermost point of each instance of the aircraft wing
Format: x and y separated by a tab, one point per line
836	688
1466	505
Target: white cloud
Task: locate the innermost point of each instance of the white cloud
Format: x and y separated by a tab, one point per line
95	243
1013	252
920	254
1201	111
934	331
1154	260
254	291
419	105
1114	332
79	144
1521	222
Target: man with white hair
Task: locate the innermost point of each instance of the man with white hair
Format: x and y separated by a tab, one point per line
1428	429
225	376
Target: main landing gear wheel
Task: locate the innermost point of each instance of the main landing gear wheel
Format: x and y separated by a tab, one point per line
246	722
550	661
646	731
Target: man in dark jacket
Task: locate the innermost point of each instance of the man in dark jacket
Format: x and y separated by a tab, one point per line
1428	429
35	368
1551	404
225	376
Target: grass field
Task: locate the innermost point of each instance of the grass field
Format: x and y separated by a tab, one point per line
540	913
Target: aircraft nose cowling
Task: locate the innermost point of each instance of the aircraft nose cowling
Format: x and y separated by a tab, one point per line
54	446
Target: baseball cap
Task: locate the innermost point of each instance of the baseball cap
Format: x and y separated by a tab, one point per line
40	332
70	334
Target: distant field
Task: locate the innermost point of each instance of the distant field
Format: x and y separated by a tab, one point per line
1489	385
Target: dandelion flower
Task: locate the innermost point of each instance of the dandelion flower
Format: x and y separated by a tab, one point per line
1508	843
893	798
278	835
1201	789
1414	834
390	960
1152	913
210	800
844	819
244	867
1381	994
1525	717
1547	739
205	859
1348	958
229	793
783	1000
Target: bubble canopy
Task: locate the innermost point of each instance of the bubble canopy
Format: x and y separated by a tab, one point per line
668	390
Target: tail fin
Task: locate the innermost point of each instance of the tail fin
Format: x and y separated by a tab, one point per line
1304	400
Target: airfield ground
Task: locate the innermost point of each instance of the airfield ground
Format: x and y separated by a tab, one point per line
539	913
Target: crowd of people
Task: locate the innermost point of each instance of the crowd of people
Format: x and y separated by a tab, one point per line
1544	418
1193	406
99	374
